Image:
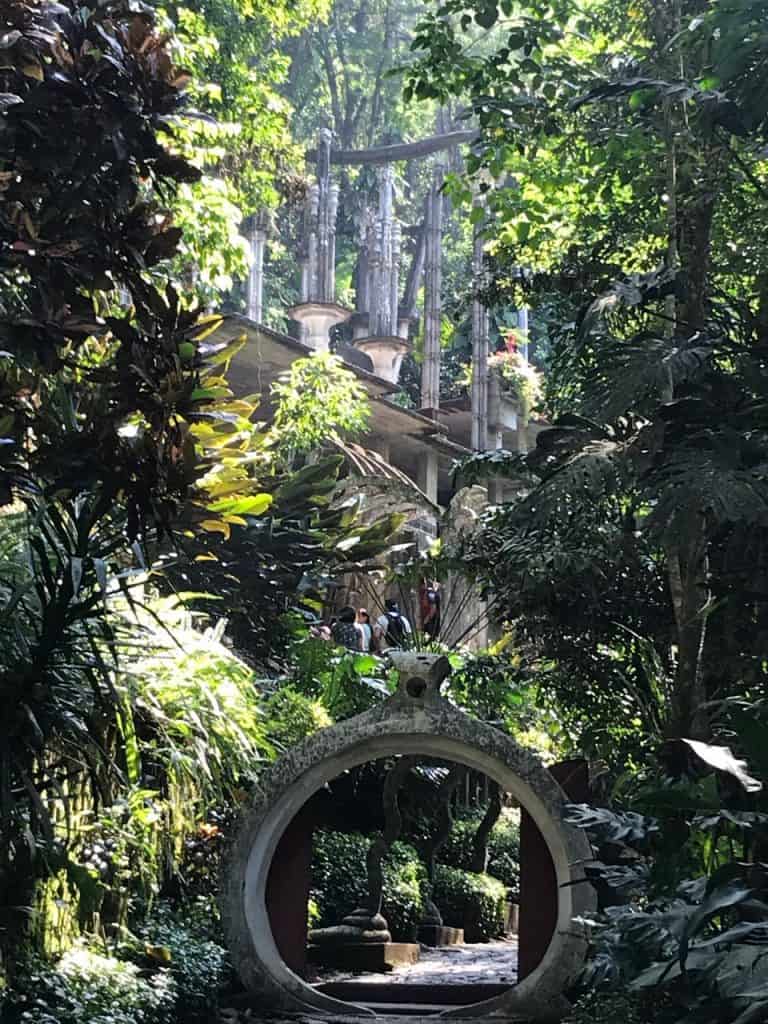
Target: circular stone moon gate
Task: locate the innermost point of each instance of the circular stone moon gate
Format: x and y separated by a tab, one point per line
416	720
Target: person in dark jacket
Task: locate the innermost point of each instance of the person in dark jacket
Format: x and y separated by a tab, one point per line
344	632
392	628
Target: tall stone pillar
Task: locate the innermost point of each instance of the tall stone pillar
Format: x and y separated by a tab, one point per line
479	350
309	252
430	371
394	279
257	239
381	341
328	195
496	484
381	291
318	311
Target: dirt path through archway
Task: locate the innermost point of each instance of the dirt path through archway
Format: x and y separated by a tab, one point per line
475	964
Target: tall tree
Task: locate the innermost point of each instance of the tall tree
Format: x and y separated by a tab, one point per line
242	142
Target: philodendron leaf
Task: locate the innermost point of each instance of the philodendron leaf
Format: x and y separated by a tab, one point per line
722	759
730	935
659	973
722	898
756	1012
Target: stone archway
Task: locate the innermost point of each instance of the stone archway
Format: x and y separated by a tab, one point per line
416	720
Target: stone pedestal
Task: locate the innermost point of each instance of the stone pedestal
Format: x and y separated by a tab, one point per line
361	327
365	957
440	935
361	943
512	919
317	319
386	354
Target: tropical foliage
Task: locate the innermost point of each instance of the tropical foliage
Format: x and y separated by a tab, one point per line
127	466
683	892
622	157
622	558
161	552
241	142
106	382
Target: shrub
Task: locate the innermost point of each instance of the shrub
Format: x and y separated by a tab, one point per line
339	882
197	710
173	972
473	902
292	716
198	964
607	1008
86	986
503	848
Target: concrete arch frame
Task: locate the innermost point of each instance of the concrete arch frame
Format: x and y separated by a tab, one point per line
406	724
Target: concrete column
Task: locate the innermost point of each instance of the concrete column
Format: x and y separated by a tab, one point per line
317	319
330	255
479	351
522	323
429	471
394	279
382	322
311	244
326	214
430	370
255	294
362	285
496	485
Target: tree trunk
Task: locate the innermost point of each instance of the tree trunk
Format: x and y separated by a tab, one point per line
481	837
687	571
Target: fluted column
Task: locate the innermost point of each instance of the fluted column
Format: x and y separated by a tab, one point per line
257	239
430	371
479	350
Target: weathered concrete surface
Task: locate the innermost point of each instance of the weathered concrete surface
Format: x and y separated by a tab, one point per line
440	935
414	721
366	956
538	917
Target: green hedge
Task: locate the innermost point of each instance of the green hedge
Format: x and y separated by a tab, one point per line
339	882
503	848
475	903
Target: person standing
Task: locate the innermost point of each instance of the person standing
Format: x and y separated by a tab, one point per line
365	629
345	633
430	609
392	628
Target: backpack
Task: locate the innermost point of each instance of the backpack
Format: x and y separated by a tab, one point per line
395	629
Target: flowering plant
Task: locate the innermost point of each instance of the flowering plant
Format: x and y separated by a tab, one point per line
518	378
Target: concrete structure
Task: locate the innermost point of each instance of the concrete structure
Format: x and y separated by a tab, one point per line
318	310
316	320
406	462
420	449
416	720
